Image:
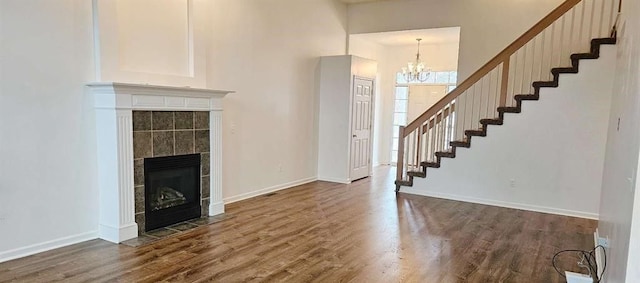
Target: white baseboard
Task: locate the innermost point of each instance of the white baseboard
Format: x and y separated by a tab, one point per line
335	180
522	206
46	246
216	208
269	190
599	253
118	234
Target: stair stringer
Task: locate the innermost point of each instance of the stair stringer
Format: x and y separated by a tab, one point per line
553	150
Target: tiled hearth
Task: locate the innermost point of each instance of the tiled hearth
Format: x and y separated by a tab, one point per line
175	230
166	133
167	121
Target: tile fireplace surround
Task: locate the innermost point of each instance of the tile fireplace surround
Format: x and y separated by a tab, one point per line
114	104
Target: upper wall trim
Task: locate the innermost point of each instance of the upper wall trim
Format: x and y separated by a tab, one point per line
114	95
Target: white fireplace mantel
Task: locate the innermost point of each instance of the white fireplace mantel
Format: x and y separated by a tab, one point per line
114	103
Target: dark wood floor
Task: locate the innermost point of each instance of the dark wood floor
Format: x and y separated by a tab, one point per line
328	232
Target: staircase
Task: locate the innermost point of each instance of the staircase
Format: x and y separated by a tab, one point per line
574	31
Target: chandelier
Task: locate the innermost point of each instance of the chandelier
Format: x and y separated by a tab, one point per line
416	71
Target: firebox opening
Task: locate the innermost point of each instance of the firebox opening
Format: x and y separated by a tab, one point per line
172	190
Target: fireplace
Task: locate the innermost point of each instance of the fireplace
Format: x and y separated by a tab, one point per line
128	133
172	190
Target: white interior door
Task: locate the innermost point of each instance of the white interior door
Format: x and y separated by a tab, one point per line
422	97
361	122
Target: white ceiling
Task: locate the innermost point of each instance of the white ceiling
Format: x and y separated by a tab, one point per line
408	37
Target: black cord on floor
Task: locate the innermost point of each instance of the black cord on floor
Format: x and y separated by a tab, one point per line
590	258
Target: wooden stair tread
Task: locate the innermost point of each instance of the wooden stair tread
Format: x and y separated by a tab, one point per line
478	133
583	56
417	174
465	144
564	70
448	154
539	84
509	109
492	121
526	97
430	164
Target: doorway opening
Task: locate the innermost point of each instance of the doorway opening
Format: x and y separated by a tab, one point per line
397	101
413	98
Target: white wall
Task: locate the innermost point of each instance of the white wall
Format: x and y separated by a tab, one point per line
619	212
391	59
268	51
438	57
487	26
633	260
152	42
48	195
553	150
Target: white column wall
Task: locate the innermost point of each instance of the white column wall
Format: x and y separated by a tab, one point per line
115	174
216	204
620	197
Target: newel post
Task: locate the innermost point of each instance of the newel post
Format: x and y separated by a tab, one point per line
400	162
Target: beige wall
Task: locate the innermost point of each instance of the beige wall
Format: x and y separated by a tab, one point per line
483	32
48	193
268	52
438	57
153	42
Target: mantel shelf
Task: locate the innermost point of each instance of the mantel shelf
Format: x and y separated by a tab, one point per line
114	95
148	89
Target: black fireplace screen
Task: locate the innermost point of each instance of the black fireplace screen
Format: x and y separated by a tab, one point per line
164	195
172	190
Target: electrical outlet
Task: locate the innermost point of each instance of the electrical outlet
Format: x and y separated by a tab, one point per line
512	183
603	242
280	168
233	128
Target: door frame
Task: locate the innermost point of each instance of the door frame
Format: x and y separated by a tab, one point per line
371	132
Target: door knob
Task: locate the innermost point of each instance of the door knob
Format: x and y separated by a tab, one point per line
355	136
